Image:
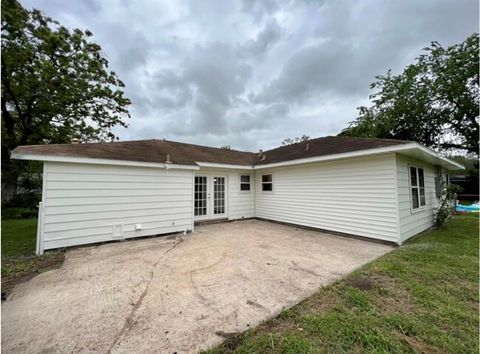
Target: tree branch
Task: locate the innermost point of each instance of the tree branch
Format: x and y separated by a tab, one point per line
6	84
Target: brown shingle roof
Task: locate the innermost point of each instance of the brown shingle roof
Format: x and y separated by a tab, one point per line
188	154
328	145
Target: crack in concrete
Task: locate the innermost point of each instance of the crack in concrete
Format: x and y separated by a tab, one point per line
257	305
202	298
129	319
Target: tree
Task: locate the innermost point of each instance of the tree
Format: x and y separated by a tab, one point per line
434	101
290	141
226	147
56	86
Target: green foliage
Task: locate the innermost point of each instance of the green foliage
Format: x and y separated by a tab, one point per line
448	196
290	141
56	85
19	213
434	101
29	187
423	298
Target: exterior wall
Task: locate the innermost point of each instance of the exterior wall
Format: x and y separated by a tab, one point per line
86	203
240	204
355	196
414	221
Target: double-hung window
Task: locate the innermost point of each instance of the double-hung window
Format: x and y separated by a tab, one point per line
245	183
267	183
417	187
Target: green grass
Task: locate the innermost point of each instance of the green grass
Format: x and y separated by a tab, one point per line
18	251
420	298
18	237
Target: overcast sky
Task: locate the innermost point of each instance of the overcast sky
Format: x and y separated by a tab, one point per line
251	73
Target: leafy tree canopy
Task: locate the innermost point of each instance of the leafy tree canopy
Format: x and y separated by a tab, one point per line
56	85
55	82
434	101
290	141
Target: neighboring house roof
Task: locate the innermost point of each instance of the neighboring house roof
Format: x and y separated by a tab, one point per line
161	151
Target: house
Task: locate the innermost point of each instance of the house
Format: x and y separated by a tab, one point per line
376	188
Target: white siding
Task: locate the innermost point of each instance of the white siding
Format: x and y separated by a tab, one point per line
354	196
414	221
86	203
241	203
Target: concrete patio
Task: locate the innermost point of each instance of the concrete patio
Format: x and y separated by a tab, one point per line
177	293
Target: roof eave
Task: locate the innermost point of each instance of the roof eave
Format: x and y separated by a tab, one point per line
224	165
441	160
95	161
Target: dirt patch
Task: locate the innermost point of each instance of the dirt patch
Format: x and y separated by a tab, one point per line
418	346
361	283
230	340
32	267
392	295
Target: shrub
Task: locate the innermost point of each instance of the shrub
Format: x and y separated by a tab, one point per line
447	203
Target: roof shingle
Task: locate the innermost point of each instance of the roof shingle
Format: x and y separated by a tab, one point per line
156	151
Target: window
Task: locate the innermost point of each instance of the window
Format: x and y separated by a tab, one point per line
267	183
244	182
417	187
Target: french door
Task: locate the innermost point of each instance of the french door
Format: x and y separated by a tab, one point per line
210	197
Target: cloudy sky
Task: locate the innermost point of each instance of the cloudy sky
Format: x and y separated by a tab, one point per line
251	73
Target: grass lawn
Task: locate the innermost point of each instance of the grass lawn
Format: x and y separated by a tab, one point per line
422	297
18	253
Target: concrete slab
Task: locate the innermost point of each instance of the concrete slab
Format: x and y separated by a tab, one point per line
175	294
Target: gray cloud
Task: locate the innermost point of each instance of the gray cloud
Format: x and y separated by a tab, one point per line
250	73
264	40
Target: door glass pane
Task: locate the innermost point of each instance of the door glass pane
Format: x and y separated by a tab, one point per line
200	196
219	195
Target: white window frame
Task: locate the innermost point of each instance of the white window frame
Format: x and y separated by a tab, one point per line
417	187
262	183
249	183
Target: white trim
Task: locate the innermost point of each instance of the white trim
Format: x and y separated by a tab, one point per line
272	182
41	212
223	165
88	160
193	201
397	201
365	152
443	158
249	183
409	146
420	207
225	214
39	246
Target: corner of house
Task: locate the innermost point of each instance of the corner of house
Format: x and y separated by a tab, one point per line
397	202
